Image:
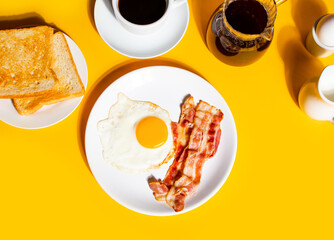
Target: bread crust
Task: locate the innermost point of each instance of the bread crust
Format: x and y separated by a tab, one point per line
25	62
69	84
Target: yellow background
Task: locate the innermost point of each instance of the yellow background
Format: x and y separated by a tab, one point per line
281	185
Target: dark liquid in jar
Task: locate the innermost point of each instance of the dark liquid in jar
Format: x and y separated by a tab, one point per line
142	12
247	16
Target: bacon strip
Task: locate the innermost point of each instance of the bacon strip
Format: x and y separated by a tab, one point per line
198	136
181	132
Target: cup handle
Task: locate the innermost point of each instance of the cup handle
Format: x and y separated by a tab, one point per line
332	120
177	3
279	2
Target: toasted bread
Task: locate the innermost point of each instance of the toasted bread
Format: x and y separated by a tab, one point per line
68	86
24	62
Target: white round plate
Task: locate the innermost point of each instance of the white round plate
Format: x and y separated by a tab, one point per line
140	46
48	114
167	87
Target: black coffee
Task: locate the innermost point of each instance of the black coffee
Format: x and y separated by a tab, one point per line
142	11
247	16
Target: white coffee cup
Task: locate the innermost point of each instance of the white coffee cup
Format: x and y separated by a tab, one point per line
313	41
316	97
147	28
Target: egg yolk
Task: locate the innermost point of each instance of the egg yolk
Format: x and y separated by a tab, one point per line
151	132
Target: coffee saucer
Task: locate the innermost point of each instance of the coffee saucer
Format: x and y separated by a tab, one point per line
140	46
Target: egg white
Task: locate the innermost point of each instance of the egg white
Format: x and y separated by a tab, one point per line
118	136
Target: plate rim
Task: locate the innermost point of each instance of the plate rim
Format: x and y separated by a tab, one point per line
207	196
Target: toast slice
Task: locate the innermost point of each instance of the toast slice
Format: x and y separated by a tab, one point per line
24	62
68	86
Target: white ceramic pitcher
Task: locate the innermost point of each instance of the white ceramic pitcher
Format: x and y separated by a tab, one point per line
316	97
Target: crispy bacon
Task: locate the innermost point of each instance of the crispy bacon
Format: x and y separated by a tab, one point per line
181	132
197	138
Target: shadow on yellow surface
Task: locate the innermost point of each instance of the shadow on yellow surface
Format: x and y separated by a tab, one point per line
108	78
305	13
202	11
31	19
300	65
90	9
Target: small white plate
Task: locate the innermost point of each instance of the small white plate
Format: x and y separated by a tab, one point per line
140	46
167	87
48	114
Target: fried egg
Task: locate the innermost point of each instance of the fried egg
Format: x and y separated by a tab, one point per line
137	135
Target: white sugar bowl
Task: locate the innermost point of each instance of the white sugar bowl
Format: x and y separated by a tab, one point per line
316	97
